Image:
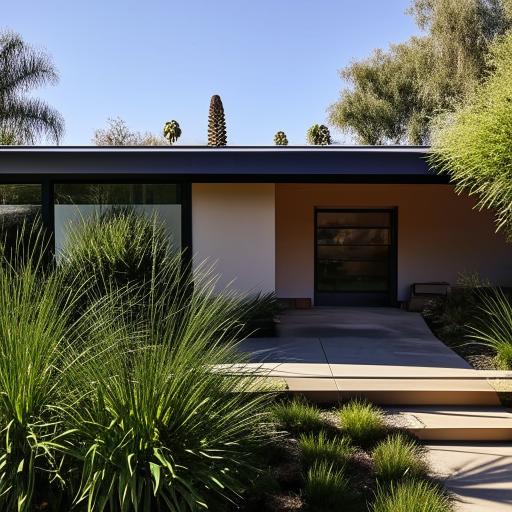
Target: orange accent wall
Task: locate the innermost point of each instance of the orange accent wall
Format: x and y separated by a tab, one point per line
440	234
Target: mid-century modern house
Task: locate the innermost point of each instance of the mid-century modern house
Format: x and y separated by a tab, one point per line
337	225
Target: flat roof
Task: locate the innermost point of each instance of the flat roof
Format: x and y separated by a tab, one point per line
396	164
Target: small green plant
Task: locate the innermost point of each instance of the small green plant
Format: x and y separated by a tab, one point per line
362	422
494	327
411	496
298	416
327	488
172	131
317	447
397	457
280	139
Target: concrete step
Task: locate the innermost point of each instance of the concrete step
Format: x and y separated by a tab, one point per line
489	424
442	392
419	391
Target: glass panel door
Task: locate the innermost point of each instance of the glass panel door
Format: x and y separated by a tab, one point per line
354	252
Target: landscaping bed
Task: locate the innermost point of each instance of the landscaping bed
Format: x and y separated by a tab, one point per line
349	458
476	323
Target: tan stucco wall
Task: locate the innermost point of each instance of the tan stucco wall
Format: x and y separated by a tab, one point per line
439	234
233	226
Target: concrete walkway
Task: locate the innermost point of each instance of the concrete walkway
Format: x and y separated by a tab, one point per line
392	357
343	342
480	475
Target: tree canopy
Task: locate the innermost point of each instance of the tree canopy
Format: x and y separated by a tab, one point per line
117	133
393	95
23	119
473	144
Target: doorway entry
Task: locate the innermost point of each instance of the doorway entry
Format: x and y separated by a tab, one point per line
355	256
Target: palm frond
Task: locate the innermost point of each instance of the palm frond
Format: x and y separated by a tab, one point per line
23	68
28	119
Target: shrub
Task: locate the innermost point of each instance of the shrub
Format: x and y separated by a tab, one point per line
116	249
33	333
495	327
315	448
257	313
326	487
397	457
362	422
411	496
153	427
298	416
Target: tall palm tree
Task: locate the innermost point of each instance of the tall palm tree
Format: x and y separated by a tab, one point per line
24	120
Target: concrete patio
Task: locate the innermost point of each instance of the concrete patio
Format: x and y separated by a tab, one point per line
386	354
390	357
376	337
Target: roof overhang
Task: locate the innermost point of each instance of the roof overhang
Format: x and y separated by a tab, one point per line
327	164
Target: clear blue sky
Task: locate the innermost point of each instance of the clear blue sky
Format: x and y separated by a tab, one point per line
274	63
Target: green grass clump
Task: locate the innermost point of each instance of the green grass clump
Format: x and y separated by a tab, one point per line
495	327
33	333
412	496
151	425
317	447
362	422
397	457
111	411
298	416
327	488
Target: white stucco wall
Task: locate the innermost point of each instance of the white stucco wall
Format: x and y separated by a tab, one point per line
440	234
233	226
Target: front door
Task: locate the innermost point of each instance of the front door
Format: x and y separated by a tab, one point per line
355	257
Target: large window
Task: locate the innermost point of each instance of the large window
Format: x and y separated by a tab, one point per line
74	202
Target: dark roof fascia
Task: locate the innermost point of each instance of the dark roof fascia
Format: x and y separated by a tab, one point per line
333	164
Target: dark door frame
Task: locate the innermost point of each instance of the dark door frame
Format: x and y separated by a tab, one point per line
388	298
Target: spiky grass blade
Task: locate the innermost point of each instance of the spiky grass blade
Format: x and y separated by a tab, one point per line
411	496
362	422
397	457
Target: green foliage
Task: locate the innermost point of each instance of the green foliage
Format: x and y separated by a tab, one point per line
298	416
280	139
258	313
24	119
216	123
495	327
393	95
116	249
317	447
172	131
452	314
153	427
115	412
411	496
397	457
473	145
319	135
34	318
362	422
327	489
117	133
